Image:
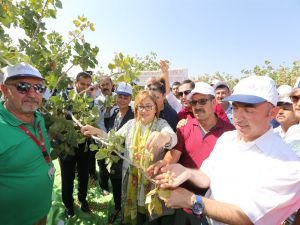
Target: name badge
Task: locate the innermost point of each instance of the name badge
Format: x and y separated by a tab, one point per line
51	172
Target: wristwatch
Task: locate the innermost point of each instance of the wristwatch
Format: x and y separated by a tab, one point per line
198	206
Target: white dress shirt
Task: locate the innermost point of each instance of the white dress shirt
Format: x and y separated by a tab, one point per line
262	177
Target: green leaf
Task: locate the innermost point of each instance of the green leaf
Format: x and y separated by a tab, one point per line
92	27
164	194
58	4
93	147
101	154
76	23
111	66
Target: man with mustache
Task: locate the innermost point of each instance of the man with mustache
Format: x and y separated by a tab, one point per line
285	116
292	137
289	129
196	140
106	87
26	170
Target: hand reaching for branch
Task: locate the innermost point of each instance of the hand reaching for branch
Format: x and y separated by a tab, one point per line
89	130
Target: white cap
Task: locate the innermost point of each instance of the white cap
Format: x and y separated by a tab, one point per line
297	84
253	90
296	87
214	82
221	83
124	89
202	88
20	70
284	93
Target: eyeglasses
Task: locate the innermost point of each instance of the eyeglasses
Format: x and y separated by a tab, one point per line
146	107
153	89
295	99
24	87
202	101
184	92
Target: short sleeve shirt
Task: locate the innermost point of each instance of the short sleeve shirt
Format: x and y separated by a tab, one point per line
25	186
195	147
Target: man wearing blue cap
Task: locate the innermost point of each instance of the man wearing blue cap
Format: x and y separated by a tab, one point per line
252	175
26	171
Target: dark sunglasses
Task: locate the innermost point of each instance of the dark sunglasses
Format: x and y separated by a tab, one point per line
153	89
184	92
24	87
295	99
202	101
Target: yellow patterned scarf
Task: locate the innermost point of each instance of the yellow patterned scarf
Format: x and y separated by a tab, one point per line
138	186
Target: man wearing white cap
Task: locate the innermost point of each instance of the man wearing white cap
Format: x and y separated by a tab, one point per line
293	133
26	171
252	175
292	139
196	140
285	116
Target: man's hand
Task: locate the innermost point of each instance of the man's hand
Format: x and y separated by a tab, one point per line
172	176
180	198
154	169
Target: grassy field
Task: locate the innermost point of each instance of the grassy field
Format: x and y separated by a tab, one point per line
100	205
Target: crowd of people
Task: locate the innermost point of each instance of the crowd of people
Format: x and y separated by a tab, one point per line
226	156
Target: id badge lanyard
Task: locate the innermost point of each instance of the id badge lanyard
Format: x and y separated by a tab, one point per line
41	144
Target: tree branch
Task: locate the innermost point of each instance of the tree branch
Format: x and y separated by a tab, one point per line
56	84
38	25
104	141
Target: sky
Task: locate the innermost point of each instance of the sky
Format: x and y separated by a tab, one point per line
204	36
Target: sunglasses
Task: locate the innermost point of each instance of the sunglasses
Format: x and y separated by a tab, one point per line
295	99
184	92
153	89
24	87
202	101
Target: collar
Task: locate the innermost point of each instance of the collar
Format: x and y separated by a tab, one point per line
262	142
229	108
